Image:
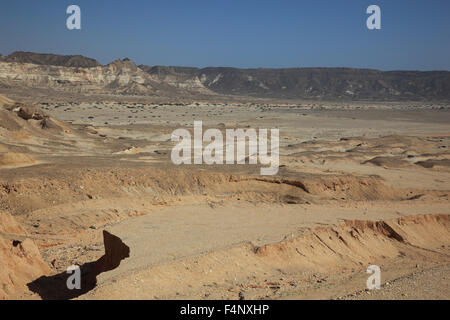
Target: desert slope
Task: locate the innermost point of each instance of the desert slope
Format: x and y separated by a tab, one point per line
354	188
20	259
4	100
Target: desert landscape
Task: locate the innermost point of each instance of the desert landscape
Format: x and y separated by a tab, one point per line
86	179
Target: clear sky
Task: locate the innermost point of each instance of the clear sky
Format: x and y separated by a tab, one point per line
415	34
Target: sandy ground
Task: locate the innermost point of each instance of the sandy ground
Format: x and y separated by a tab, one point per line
428	284
224	231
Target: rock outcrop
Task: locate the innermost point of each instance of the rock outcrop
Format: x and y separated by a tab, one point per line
119	77
83	75
55	287
20	260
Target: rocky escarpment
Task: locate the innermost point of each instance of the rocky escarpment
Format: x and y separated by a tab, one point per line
84	75
77	61
316	83
118	77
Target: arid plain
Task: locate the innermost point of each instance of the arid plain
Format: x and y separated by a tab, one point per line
87	179
92	184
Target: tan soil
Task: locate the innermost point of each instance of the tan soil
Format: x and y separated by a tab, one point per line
355	187
21	261
15	159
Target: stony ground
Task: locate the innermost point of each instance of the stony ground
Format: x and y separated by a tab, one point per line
71	171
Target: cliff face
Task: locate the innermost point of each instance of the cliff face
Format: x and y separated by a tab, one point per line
80	79
318	83
118	77
124	77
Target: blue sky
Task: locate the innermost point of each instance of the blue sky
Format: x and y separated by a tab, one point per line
415	34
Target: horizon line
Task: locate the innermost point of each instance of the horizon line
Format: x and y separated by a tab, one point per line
225	67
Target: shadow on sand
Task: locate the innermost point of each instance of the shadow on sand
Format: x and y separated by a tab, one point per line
55	287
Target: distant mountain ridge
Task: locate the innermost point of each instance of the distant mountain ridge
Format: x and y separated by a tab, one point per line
77	61
124	77
316	83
